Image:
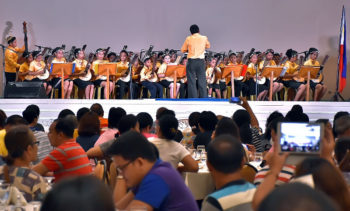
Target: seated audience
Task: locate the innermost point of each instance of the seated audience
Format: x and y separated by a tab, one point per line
248	125
160	112
190	133
128	122
153	184
296	197
22	150
37	126
114	116
3	150
88	130
342	156
64	113
98	109
207	123
327	178
80	114
146	122
337	116
68	158
170	150
44	146
342	126
11	121
79	193
225	161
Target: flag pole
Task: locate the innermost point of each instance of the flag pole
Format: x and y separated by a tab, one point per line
337	95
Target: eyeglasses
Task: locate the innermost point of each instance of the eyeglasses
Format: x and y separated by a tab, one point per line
121	168
36	142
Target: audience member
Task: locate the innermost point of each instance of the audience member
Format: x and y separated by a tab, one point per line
207	123
64	113
88	130
146	122
342	156
336	116
327	178
35	109
153	184
22	150
81	112
80	193
68	158
296	197
342	126
169	150
98	109
114	116
225	161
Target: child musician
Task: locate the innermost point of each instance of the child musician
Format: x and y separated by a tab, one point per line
319	88
36	68
101	79
291	72
56	81
149	79
124	80
213	82
80	67
167	81
251	75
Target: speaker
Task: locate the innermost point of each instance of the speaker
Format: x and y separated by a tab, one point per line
25	90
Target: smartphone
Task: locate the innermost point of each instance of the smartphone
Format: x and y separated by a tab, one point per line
236	100
300	137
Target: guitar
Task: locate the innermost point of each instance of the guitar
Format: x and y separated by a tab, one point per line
319	78
262	80
282	61
87	76
44	75
215	75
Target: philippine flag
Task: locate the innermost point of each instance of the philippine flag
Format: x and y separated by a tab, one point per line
342	53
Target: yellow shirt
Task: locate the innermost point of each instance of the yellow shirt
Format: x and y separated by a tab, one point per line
292	67
3	150
162	70
270	63
147	77
122	66
24	67
195	45
209	73
95	68
251	69
11	58
311	63
80	65
62	60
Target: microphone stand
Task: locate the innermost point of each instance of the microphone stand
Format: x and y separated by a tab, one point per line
256	82
130	84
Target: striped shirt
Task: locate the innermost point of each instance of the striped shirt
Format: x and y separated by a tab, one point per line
68	159
44	147
284	176
236	195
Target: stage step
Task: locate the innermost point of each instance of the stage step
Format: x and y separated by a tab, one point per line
49	109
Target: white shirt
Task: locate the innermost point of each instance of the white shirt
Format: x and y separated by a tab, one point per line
170	151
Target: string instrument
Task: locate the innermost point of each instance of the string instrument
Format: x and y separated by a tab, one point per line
21	60
320	78
152	74
296	78
45	75
106	52
280	63
87	73
71	54
215	75
261	80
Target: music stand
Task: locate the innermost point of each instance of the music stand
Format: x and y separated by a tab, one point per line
175	71
107	69
235	71
271	72
62	69
308	72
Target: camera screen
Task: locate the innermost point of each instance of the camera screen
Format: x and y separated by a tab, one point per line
300	137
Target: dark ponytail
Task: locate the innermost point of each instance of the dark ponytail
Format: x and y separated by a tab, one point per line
168	126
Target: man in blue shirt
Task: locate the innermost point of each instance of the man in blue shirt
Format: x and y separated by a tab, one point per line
153	184
225	161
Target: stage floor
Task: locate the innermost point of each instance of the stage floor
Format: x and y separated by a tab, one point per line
51	107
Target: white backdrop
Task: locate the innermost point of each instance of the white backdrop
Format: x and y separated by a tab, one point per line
229	24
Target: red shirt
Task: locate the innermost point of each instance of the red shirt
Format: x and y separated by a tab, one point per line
68	159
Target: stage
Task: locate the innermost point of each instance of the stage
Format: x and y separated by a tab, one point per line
49	109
